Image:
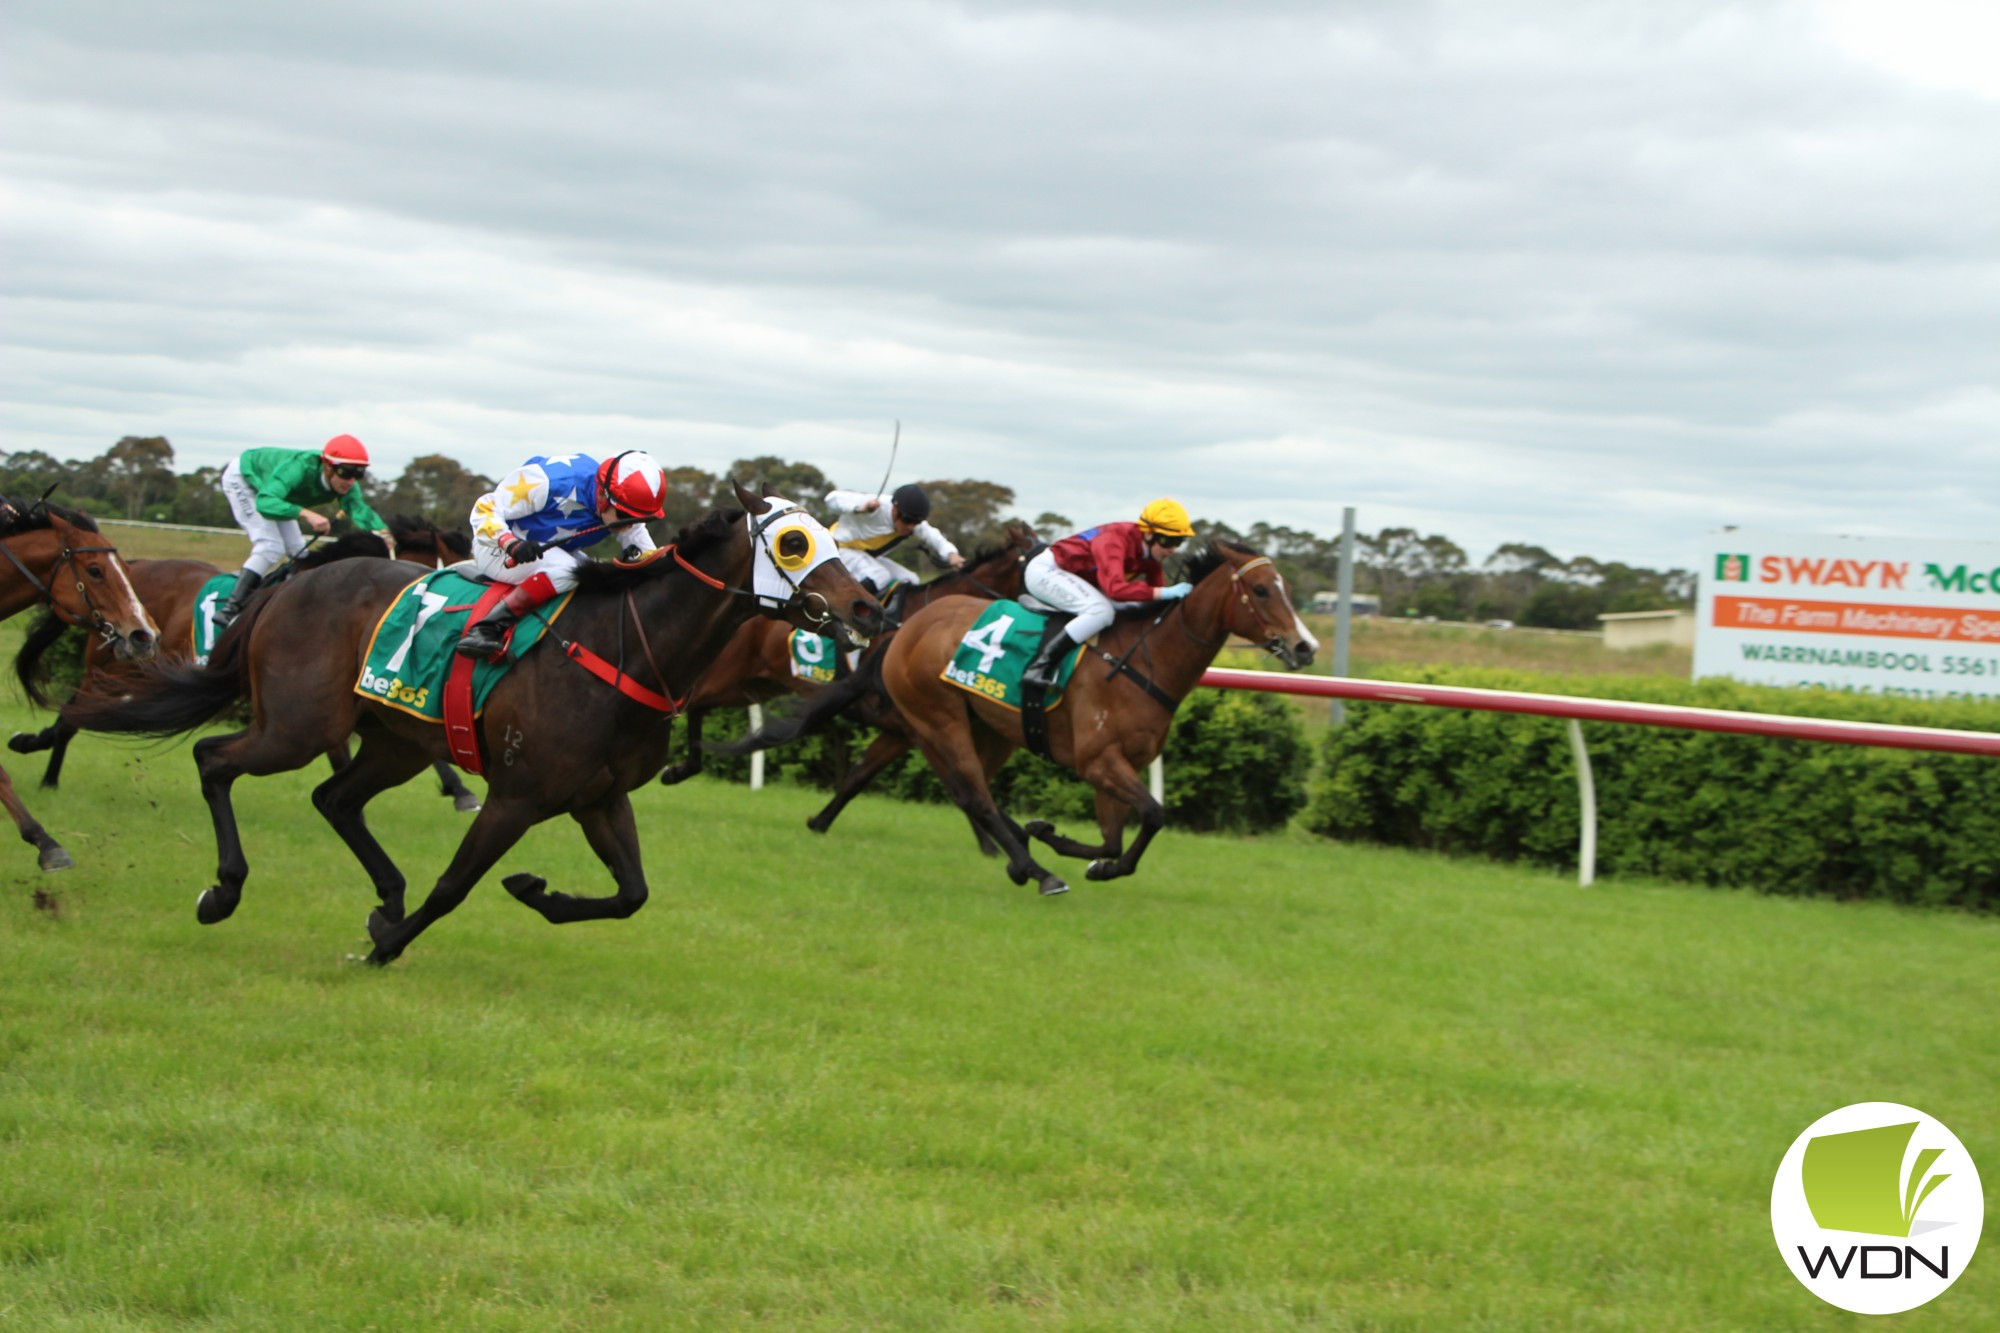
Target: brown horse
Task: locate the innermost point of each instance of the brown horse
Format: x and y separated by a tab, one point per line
171	592
757	666
562	739
55	557
1112	721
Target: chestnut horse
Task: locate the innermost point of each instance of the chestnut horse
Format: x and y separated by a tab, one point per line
1113	718
55	557
562	738
757	666
171	589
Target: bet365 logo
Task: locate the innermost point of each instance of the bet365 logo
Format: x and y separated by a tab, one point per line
1877	1208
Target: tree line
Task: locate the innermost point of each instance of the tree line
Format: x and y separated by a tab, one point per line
1411	573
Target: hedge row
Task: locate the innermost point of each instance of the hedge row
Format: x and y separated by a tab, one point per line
1234	761
1780	816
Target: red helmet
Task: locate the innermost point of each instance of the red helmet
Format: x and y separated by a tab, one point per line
635	485
345	449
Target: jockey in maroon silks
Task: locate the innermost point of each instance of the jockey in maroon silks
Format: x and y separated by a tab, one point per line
1090	575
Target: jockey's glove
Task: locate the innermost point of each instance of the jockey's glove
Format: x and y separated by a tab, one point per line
1174	592
522	551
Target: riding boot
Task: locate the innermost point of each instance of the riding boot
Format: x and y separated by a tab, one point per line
1040	673
487	638
232	606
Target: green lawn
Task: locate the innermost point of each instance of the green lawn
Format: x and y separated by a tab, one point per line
862	1081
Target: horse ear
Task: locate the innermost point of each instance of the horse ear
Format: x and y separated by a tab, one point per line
751	501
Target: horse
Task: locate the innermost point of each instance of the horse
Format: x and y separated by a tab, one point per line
56	557
757	666
567	731
171	591
1114	717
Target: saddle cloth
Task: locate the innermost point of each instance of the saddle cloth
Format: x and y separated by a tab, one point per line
411	651
992	654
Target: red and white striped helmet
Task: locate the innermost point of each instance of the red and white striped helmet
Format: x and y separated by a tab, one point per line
634	483
345	449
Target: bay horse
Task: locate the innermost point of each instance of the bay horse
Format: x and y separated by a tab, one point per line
757	666
1114	717
55	556
171	591
562	739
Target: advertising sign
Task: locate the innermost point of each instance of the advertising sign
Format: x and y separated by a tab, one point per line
1876	615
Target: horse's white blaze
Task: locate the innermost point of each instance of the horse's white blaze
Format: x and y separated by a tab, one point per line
124	587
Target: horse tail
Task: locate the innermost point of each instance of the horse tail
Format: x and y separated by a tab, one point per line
169	698
42	636
816	716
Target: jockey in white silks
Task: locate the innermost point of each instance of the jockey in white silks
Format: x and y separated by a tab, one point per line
870	526
528	529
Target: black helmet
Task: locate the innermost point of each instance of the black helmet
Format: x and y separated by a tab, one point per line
912	505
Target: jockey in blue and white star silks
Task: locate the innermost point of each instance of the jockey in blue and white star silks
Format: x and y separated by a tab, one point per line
527	530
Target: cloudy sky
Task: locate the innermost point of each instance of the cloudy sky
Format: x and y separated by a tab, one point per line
1597	276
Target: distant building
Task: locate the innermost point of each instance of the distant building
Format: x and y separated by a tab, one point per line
1364	603
1625	630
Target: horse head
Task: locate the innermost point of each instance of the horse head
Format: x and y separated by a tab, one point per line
83	579
1256	605
795	572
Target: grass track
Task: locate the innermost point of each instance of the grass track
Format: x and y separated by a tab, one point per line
863	1082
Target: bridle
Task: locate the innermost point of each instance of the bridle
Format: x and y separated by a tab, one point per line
68	557
800	597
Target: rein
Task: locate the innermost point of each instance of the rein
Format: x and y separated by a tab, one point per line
1122	665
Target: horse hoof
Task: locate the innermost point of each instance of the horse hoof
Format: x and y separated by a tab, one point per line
210	907
677	774
1051	886
55	858
525	888
818	825
380	930
465	803
1038	828
22	742
1102	870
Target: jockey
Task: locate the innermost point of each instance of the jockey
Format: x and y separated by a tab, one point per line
1090	575
268	490
870	526
528	529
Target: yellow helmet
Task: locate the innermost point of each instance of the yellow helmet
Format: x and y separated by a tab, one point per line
1167	518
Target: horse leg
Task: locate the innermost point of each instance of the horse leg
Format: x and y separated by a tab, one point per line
964	778
385	761
50	854
497	827
1120	792
449	783
614	836
56	738
218	770
691	765
883	751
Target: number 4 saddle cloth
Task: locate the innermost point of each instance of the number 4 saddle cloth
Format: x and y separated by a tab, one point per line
411	653
997	649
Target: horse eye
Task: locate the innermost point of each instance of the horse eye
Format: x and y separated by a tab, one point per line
794	545
1261	590
96	572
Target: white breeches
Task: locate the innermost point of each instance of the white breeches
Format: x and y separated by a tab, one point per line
558	564
877	569
271	539
1069	592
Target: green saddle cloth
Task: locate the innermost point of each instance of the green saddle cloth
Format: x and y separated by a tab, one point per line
815	657
204	630
992	655
412	650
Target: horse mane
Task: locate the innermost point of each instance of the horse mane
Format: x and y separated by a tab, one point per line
991	551
415	532
34	516
692	540
344	547
1211	558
